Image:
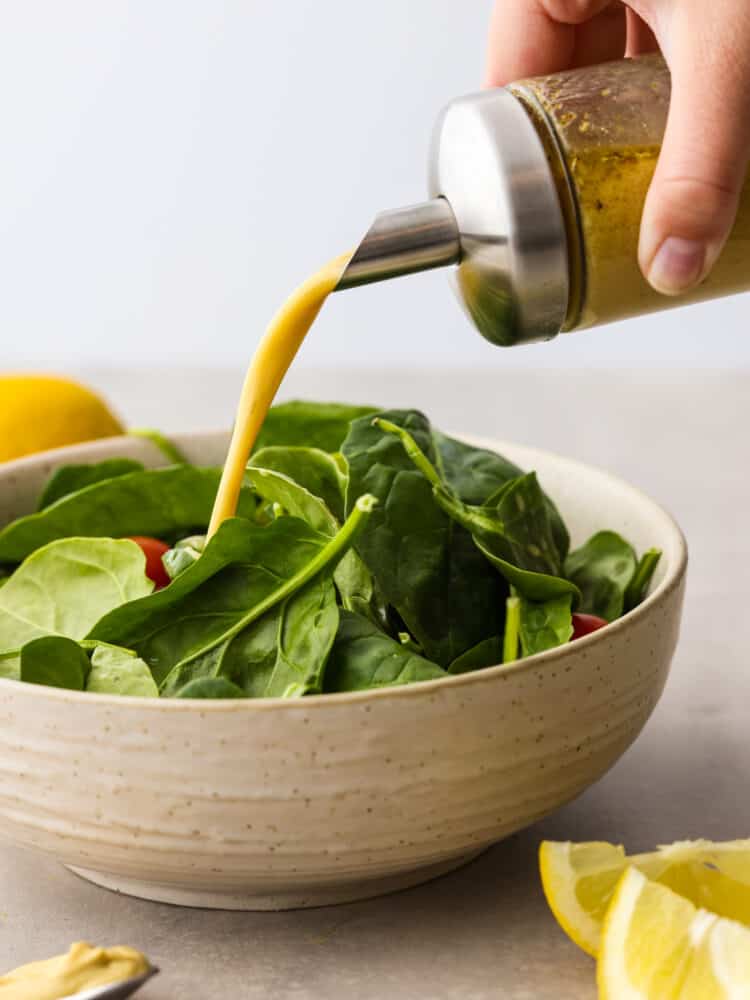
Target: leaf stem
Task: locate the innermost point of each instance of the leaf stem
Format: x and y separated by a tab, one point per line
471	518
329	555
512	629
636	589
412	449
165	446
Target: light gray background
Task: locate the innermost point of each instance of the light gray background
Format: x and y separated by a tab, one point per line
171	169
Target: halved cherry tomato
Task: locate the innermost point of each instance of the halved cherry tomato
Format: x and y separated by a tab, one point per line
585	624
153	550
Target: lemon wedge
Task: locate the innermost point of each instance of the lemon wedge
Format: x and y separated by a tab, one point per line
38	412
579	880
656	945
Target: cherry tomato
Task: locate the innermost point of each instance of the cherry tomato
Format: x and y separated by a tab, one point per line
153	550
585	625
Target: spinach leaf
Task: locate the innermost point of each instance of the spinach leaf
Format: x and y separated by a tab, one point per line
514	522
353	579
71	478
474	474
293	498
10	664
363	657
245	571
487	653
425	565
358	590
304	628
157	502
210	687
60	662
534	586
317	471
602	570
54	661
637	589
119	671
65	587
170	451
309	425
545	625
471	473
240	566
283	654
512	529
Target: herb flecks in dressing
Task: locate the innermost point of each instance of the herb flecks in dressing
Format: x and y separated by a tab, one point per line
270	363
603	128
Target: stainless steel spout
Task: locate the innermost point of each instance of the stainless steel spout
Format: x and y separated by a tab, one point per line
494	211
403	241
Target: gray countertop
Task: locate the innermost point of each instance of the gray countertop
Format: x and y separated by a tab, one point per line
483	931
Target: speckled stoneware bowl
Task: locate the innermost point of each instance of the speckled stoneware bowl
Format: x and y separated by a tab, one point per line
274	804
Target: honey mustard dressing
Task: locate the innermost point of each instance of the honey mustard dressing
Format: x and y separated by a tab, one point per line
602	127
271	361
82	968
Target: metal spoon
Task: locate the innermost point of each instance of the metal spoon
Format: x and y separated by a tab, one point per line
116	991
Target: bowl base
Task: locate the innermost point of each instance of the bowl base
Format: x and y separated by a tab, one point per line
292	898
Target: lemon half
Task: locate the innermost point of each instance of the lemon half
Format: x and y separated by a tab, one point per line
656	945
579	880
38	412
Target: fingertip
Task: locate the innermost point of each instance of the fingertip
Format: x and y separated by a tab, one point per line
677	266
685	224
523	41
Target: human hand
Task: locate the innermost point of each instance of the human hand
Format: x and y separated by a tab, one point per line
692	202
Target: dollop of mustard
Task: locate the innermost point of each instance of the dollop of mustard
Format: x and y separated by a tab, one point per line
81	968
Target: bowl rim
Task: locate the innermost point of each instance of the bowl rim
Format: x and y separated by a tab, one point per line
672	580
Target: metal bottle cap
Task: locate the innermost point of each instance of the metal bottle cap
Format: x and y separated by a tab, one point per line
489	162
495	211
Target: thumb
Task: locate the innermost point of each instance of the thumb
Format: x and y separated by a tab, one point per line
692	202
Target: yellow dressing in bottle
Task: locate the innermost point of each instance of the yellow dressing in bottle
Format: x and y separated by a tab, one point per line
602	127
274	355
81	968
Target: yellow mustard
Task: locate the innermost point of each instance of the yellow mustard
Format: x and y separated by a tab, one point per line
83	967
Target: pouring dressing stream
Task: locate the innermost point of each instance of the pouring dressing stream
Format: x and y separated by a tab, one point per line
270	363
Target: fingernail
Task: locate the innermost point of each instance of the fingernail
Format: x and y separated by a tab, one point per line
677	266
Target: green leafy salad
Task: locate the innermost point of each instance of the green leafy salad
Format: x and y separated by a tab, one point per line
368	550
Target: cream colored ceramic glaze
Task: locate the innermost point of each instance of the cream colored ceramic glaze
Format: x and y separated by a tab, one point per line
273	804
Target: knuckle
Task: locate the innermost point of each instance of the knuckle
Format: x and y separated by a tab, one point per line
697	206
